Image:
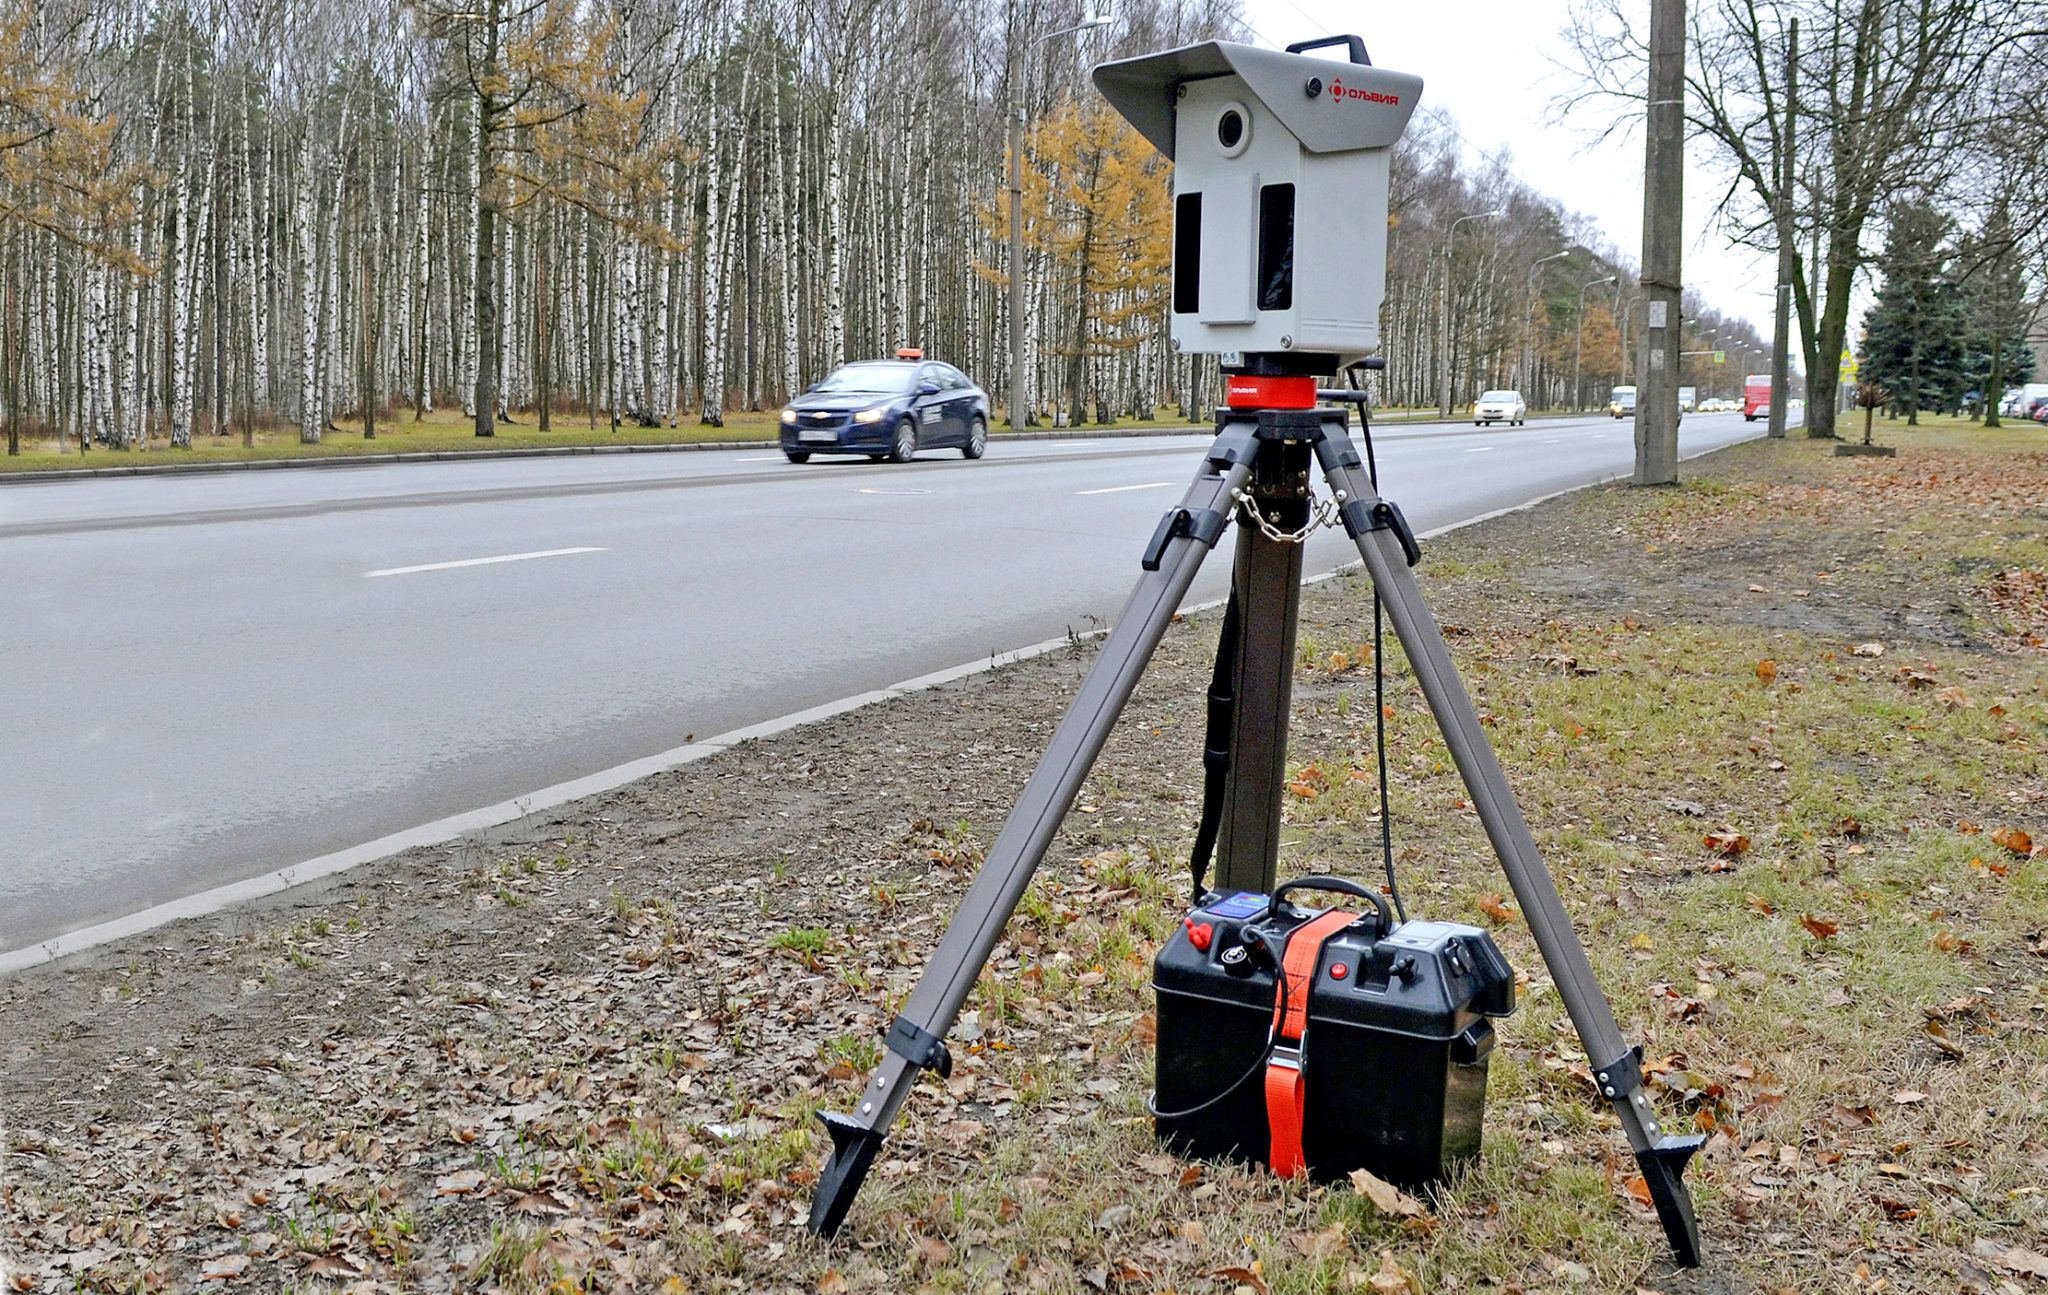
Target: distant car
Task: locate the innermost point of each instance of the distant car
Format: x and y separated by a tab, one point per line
888	409
1621	403
1499	407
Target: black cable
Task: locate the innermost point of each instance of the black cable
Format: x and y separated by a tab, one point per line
1265	1055
1379	681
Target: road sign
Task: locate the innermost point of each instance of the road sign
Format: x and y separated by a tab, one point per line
1849	366
1720	357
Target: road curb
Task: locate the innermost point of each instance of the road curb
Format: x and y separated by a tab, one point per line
448	828
572	451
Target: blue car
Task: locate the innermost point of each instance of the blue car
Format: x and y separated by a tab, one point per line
888	409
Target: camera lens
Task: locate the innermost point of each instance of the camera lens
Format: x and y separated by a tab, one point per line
1230	128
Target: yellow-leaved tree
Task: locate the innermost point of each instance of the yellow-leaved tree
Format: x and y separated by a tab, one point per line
1098	211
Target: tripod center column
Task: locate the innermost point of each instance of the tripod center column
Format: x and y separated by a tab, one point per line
1266	578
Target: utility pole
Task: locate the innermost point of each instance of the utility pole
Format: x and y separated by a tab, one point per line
1788	255
1663	239
1579	347
1528	374
1444	344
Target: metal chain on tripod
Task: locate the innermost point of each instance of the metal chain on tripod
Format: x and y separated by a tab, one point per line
1321	513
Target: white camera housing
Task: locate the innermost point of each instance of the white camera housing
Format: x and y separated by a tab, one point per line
1279	192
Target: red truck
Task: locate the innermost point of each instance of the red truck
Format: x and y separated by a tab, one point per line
1756	397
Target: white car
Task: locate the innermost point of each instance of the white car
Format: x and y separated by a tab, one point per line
1499	407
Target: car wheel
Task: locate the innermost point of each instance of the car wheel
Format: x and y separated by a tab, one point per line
977	438
797	456
904	447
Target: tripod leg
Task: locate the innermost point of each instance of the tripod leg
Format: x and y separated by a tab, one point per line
916	1039
1387	546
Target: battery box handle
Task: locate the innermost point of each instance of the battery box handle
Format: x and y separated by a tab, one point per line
1342	887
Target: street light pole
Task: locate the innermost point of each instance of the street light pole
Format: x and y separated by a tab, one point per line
1444	330
1528	373
1579	347
1018	399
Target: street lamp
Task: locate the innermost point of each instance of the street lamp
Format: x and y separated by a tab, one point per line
1093	20
1444	332
1529	323
1579	347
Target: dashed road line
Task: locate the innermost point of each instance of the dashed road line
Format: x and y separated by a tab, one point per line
478	562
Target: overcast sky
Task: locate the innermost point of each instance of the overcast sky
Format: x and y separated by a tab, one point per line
1494	66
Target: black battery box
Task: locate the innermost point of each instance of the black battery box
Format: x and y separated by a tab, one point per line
1392	1056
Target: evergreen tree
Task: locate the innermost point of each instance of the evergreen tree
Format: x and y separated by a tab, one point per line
1996	305
1913	336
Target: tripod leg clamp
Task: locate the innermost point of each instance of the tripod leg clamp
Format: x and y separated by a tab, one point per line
1206	526
919	1046
1381	515
853	1151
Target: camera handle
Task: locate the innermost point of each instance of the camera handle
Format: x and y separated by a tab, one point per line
1336	885
1355	44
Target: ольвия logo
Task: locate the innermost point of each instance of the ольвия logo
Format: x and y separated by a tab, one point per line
1338	94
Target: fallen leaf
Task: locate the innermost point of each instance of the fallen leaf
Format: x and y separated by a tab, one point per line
1495	907
830	1282
1850	827
1728	842
2022	1260
461	1183
1817	927
1638	1187
539	1202
2014	840
1908	1097
337	1265
1938	1033
1867	649
933	1253
1244	1276
1758	904
1767	670
1393	1279
223	1268
1389	1199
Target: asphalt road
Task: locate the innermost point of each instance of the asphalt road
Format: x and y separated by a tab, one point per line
211	677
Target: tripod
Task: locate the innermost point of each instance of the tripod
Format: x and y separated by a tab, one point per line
1259	464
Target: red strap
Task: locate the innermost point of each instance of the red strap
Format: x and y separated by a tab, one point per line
1285	1096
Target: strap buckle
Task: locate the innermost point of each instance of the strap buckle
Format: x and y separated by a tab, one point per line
1287	1056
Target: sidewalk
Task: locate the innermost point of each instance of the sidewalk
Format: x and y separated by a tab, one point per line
1779	731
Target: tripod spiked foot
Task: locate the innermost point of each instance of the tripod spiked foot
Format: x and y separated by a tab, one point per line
1663	1166
853	1151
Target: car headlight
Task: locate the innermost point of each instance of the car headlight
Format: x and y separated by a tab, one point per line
789	415
870	415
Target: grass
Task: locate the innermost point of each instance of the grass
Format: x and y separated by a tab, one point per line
443	431
1851	1006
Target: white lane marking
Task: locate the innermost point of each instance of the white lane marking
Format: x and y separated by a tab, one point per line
870	490
1555	440
477	562
1478	449
1117	490
760	458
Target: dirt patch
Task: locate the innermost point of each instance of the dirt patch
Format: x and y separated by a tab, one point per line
583	1052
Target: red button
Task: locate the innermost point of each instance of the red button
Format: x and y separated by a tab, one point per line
1338	971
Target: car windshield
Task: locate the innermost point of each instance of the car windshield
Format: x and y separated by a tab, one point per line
867	379
1498	395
